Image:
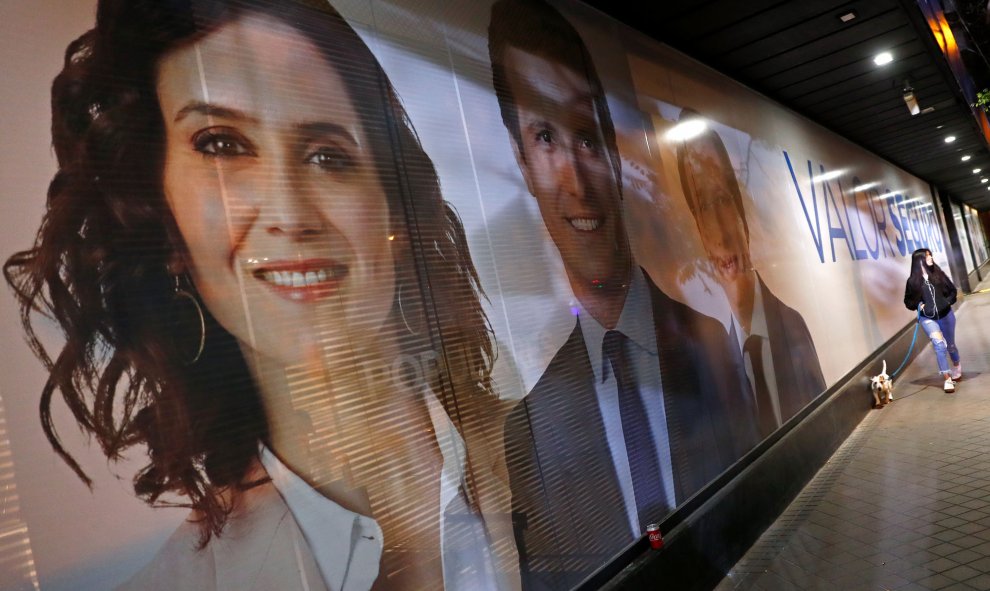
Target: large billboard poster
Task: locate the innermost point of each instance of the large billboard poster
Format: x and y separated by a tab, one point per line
403	294
960	218
977	234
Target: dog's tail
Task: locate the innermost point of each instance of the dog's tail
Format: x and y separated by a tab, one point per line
884	372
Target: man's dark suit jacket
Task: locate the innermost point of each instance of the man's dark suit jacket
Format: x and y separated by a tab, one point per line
795	361
568	511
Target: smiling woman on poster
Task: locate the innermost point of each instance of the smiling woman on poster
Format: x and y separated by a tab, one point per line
237	247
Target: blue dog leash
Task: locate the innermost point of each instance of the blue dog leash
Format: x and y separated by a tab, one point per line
915	337
911	348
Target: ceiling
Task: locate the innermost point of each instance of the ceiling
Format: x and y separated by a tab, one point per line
801	54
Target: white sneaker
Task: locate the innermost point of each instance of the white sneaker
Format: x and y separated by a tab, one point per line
949	386
957	372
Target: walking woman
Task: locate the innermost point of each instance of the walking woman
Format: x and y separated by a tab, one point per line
931	293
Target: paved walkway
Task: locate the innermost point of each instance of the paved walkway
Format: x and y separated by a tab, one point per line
905	501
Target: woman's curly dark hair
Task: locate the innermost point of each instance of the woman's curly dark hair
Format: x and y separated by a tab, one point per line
98	266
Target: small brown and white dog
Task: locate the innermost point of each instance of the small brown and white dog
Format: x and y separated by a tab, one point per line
882	387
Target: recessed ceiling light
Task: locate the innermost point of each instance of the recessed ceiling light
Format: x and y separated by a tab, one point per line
939	126
984	180
847	16
949	139
882	59
976	171
966	157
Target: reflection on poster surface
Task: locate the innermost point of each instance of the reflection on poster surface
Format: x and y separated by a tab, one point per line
17	569
474	334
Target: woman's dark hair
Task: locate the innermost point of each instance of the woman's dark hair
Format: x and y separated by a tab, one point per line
917	279
98	266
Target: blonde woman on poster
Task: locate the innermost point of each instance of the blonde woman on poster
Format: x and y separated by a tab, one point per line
238	247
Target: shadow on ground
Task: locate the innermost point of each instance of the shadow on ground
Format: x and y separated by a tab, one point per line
936	381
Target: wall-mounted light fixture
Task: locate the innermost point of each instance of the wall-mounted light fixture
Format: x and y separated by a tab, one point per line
910	100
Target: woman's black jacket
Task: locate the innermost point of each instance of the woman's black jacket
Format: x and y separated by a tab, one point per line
944	292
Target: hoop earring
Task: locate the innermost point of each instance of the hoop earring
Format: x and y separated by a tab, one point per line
180	295
402	313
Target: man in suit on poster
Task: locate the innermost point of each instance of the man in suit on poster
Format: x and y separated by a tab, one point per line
647	400
780	357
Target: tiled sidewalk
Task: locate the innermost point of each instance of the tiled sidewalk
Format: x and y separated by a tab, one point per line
905	502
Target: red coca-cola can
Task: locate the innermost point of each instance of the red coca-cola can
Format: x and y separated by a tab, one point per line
656	538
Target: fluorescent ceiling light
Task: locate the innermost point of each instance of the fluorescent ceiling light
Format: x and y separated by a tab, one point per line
949	139
976	171
685	130
984	180
847	16
890	194
860	188
882	59
966	157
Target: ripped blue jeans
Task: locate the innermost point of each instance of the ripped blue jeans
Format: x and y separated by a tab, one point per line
942	333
